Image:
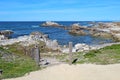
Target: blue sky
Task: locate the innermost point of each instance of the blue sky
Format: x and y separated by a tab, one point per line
59	10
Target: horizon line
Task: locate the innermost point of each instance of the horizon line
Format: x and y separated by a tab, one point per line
55	20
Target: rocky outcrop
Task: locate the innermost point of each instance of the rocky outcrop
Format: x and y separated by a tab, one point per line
102	25
39	36
24	40
103	35
76	29
77	26
75	32
54	24
33	38
50	23
6	32
106	30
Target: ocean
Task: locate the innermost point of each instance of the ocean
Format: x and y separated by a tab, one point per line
62	36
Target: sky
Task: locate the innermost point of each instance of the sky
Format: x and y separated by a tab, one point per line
59	10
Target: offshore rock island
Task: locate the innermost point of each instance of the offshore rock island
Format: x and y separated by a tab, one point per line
105	30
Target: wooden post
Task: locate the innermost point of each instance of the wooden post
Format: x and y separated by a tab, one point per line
70	53
37	54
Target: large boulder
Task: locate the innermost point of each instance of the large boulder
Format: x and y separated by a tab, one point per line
2	37
76	26
52	44
82	47
77	29
77	32
5	32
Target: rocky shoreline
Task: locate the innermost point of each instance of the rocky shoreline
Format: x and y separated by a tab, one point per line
105	30
35	37
100	29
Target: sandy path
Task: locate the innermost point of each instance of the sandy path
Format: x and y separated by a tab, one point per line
75	72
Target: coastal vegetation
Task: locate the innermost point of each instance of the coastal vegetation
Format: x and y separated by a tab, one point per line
106	55
17	60
15	63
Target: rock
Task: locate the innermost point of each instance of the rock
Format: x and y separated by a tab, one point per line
49	23
98	32
114	30
44	62
6	32
76	29
2	37
116	37
66	50
76	26
77	32
106	30
54	24
33	38
52	44
103	30
82	47
102	34
102	25
39	36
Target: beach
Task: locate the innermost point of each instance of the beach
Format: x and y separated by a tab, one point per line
75	72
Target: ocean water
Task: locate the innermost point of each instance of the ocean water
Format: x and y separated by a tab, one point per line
62	36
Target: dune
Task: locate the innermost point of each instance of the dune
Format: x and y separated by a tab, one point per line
75	72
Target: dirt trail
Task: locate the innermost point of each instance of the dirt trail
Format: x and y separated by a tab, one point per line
75	72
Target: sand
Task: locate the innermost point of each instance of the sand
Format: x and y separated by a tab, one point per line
75	72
